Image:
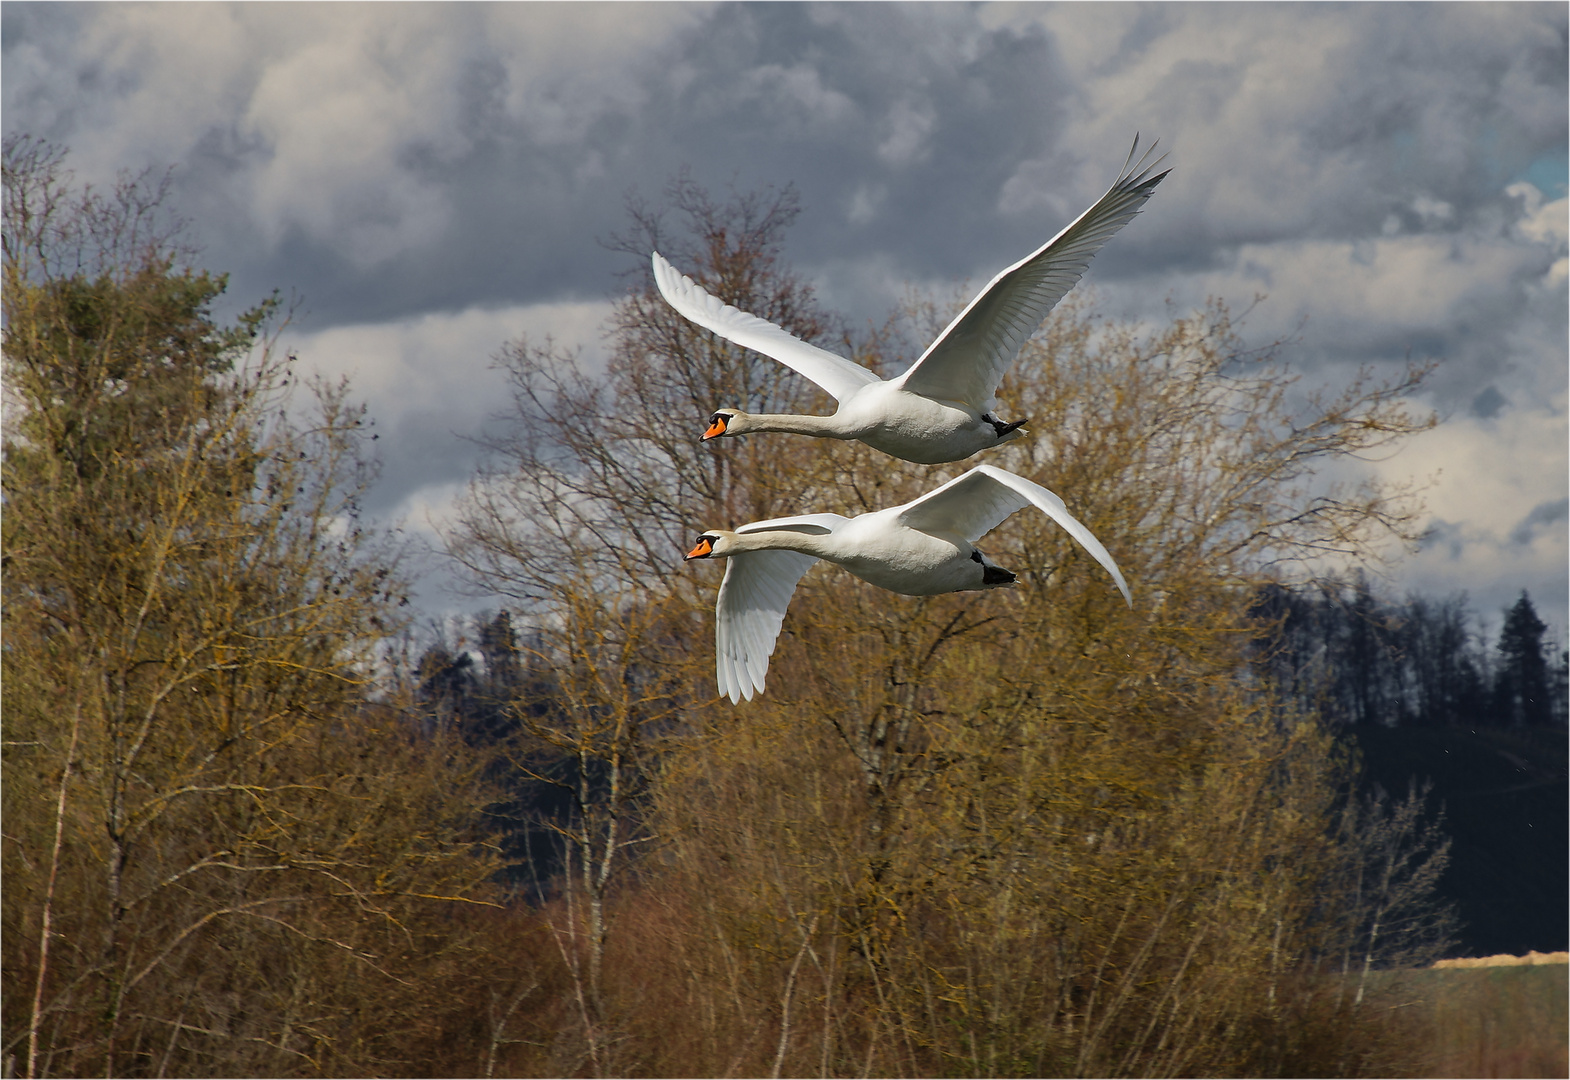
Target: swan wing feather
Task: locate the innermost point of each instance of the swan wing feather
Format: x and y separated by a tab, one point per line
974	504
754	594
813	524
834	374
969	358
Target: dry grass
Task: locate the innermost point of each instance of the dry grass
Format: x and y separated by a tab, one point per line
1503	1019
1505	960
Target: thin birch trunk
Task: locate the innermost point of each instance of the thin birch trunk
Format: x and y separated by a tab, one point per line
49	895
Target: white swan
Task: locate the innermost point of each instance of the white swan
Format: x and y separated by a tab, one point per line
941	409
925	547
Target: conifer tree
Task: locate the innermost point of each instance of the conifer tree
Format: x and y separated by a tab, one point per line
1523	693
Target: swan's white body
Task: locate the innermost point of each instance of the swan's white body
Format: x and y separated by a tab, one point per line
941	409
925	547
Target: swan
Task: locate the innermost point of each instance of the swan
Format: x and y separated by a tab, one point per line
941	409
923	548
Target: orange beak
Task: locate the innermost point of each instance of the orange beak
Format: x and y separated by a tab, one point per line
703	548
716	428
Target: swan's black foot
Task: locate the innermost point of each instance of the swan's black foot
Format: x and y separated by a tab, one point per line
1001	428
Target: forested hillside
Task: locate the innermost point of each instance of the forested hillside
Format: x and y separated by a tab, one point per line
255	824
1427	702
1362	658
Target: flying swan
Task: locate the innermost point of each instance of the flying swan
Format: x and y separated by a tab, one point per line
925	547
941	409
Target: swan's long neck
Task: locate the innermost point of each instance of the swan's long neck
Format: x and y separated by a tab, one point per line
781	540
828	427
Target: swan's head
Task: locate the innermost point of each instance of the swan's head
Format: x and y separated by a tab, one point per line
993	576
720	424
713	545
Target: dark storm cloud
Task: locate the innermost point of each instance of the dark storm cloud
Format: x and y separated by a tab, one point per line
1543	516
920	135
897	126
433	179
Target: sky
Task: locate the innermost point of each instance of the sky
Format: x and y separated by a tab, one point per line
436	180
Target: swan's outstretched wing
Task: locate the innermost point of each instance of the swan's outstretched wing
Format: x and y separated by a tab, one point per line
753	597
974	504
835	374
969	358
756	591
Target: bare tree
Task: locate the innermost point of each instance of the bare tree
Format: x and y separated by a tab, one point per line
212	832
1395	854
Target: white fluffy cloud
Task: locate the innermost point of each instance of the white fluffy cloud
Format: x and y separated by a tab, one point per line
1498	527
430	381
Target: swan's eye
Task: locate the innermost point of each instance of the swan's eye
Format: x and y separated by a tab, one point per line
975	556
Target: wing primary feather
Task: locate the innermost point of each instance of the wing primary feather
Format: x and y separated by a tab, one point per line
977	502
968	359
834	374
1050	504
749	612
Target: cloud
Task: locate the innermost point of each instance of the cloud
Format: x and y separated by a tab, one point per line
908	125
1311	120
430	385
1543	514
334	122
1497	507
797	97
1486	405
433	177
1481	298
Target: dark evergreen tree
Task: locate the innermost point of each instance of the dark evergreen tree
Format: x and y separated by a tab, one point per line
1361	659
1559	683
1523	692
